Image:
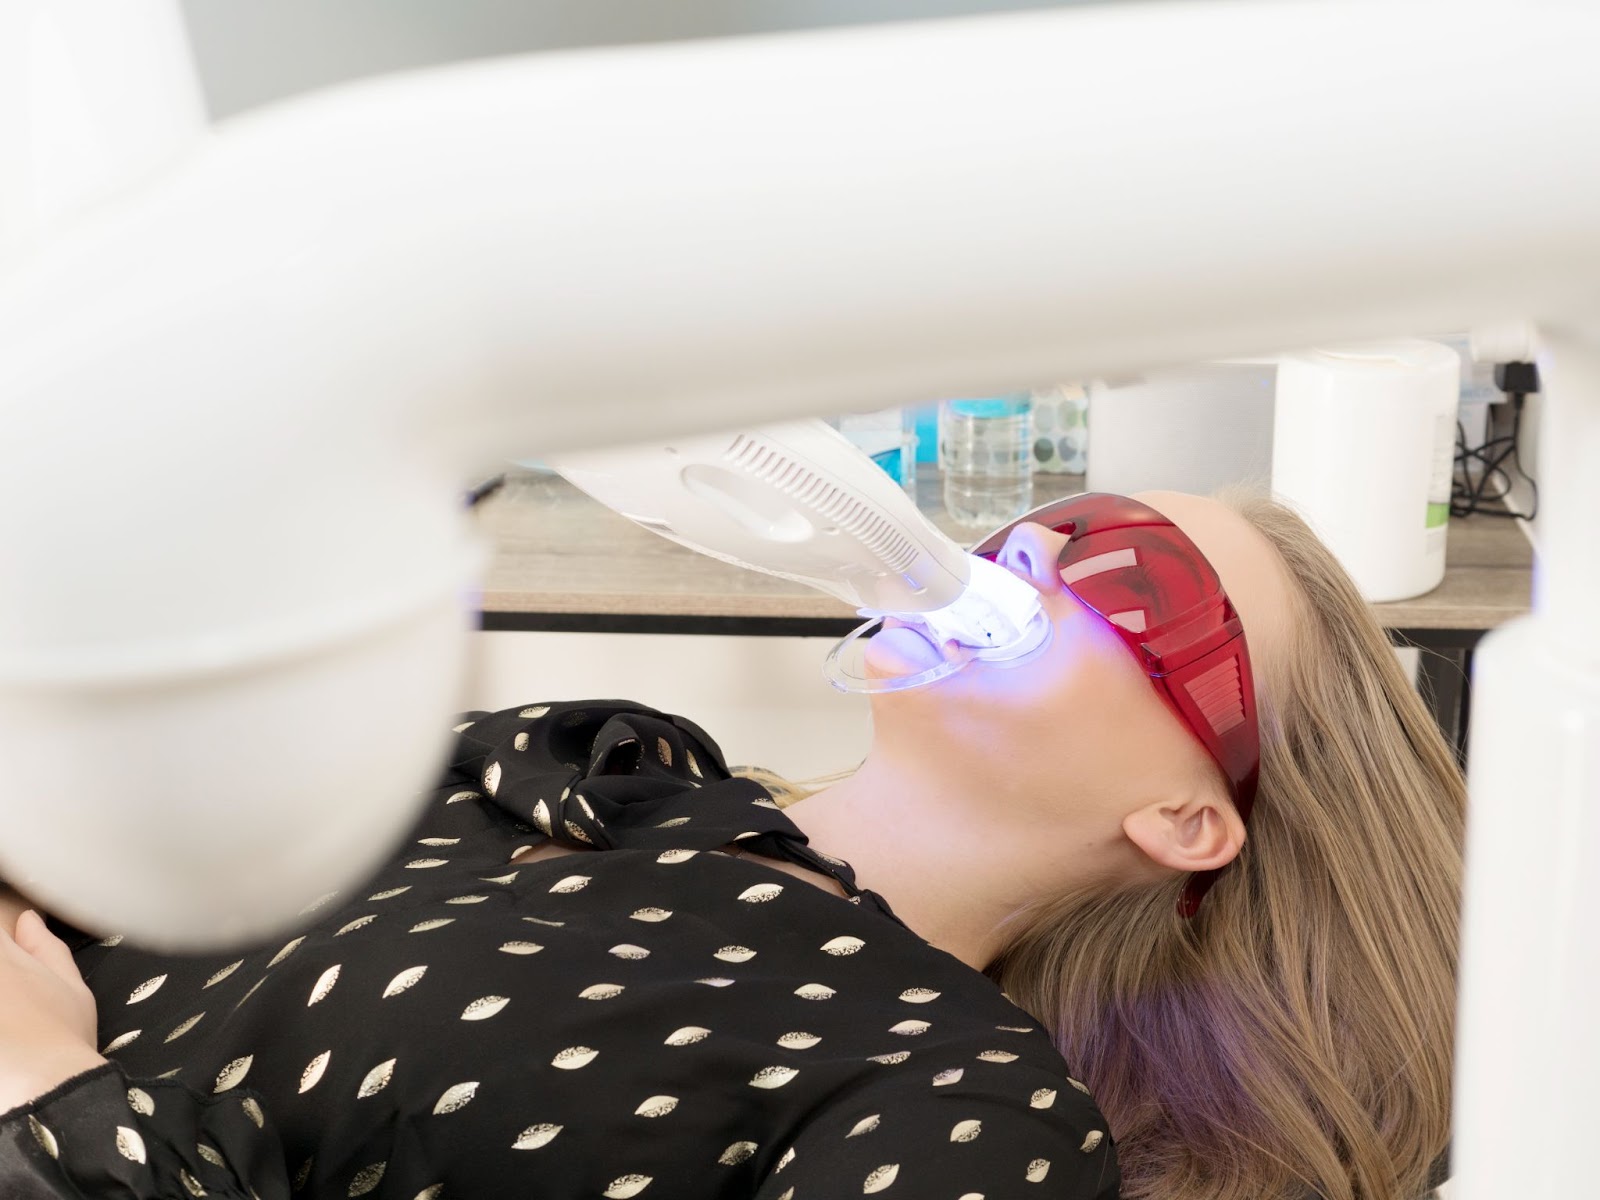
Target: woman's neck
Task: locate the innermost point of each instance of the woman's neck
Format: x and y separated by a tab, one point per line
950	870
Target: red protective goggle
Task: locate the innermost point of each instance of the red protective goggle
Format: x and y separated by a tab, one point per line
1138	571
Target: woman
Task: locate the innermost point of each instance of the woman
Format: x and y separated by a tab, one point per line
713	1006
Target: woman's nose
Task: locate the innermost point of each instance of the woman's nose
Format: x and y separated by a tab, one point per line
1032	550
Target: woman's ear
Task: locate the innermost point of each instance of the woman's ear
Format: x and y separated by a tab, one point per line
1199	832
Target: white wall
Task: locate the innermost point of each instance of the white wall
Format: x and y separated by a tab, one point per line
762	699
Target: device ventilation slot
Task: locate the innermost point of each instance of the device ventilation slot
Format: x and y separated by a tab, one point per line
1219	696
771	466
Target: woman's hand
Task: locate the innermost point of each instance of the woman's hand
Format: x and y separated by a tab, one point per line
47	1013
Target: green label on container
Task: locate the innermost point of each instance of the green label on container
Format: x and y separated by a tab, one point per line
1438	514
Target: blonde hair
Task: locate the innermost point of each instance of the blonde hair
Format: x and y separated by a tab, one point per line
1295	1037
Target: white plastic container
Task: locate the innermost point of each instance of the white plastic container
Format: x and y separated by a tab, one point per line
1364	449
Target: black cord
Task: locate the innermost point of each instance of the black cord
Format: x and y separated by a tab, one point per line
1471	497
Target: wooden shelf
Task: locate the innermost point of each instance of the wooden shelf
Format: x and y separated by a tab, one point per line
560	556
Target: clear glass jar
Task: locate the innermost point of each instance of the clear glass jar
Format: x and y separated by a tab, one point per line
985	452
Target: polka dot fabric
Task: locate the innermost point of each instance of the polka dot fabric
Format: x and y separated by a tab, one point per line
649	1017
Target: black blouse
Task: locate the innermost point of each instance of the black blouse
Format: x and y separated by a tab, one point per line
658	1020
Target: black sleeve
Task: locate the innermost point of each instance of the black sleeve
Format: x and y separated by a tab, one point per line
917	1138
99	1134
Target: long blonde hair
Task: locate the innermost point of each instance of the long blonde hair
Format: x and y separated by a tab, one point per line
1295	1037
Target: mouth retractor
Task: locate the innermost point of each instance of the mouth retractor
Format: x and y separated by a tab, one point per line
998	619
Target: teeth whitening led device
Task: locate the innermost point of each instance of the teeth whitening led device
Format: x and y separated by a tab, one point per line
799	501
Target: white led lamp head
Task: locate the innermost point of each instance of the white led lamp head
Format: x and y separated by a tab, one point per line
798	500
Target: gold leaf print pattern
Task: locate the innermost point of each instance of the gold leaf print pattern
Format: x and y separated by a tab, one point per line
587	811
484	1007
625	1187
688	1035
1078	1085
491	778
535	1136
909	1028
538	710
735	954
715	981
211	1154
520	948
629	951
880	1178
600	991
455	1098
656	1106
1043	1098
358	923
324	985
312	1075
222	974
318	902
253	1111
130	1145
945	1078
438	841
889	1060
1037	1170
665	751
1092	1142
574	1057
650	914
520	742
431	1193
497	879
572	883
390	894
285	952
788	1157
965	1131
694	767
376	1080
814	991
406	979
121	1040
843	944
190	1183
139	1100
674	822
1016	1028
114	940
542	921
675	856
183	1028
760	893
773	1077
46	1139
425	926
865	1125
233	1074
798	1041
146	989
918	995
305	1173
423	864
998	1056
541	817
458	797
366	1179
466	899
737	1153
